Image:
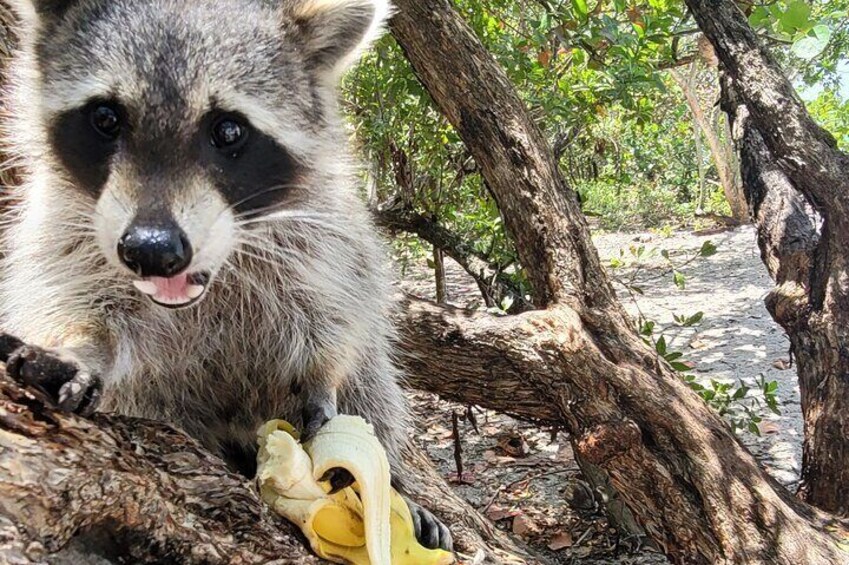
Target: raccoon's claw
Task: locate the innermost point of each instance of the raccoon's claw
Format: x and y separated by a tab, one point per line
430	532
8	345
71	386
81	395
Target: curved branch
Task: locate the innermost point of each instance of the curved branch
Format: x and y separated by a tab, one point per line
492	282
691	485
540	211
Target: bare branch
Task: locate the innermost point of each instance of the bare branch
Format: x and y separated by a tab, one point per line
493	283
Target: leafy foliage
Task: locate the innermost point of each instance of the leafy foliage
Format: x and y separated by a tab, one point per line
743	407
595	76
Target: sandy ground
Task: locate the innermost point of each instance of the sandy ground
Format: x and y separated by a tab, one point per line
526	480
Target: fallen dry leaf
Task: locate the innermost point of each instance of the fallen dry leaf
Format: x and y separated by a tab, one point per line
561	541
524	526
769	427
513	444
496	513
781	364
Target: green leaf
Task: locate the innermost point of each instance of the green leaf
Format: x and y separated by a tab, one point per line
796	17
810	46
740	392
694	319
680	280
760	17
661	345
708	249
681	367
580	7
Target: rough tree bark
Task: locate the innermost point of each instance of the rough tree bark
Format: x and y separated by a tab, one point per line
141	491
811	304
690	483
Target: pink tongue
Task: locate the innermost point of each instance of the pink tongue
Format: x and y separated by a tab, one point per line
174	287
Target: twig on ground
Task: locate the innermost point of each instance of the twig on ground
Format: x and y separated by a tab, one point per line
458	448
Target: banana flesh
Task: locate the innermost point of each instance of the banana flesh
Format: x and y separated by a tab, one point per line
368	523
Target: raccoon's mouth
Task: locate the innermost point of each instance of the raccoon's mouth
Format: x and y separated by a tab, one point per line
179	291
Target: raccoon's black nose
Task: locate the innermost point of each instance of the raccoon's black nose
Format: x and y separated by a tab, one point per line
155	250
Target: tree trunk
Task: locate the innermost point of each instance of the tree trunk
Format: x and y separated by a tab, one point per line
677	466
733	194
812	300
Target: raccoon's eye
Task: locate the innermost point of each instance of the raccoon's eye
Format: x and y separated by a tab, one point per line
228	133
105	120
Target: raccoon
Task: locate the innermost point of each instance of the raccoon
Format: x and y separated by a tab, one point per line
188	244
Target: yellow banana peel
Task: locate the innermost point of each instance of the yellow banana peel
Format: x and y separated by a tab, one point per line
368	523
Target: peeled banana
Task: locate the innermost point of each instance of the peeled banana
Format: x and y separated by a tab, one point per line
368	523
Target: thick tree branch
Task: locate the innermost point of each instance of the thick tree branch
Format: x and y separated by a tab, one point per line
503	139
807	153
141	491
478	347
545	366
671	458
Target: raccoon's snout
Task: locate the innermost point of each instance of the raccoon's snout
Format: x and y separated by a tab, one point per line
155	250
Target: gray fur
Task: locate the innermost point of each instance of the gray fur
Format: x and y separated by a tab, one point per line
299	299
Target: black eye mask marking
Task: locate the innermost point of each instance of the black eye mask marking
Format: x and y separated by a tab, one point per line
82	149
253	172
253	177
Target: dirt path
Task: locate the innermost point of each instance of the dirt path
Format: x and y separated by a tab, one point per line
526	480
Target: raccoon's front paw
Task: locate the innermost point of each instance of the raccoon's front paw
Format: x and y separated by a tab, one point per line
430	532
65	380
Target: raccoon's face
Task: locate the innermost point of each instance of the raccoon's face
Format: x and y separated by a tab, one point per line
184	123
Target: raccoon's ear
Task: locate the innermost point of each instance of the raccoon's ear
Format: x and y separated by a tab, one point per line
34	12
335	32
